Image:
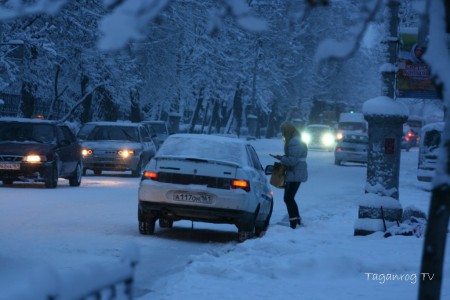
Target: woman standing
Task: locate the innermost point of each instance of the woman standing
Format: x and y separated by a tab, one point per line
294	158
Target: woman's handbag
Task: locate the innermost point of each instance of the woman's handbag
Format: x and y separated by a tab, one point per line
278	175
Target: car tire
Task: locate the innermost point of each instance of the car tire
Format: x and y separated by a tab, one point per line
146	223
52	181
139	168
75	179
247	230
165	223
147	228
7	181
97	172
260	231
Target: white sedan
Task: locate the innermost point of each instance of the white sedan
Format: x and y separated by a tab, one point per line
205	178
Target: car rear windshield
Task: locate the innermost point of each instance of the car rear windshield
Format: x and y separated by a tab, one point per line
21	132
351	126
354	138
199	148
432	139
115	133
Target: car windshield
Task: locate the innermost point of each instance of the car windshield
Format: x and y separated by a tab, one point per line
85	130
197	148
318	130
354	138
15	131
116	133
159	127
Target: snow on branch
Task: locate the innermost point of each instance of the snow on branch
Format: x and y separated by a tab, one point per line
67	116
330	49
12	9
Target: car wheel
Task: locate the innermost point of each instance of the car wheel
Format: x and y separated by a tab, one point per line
52	181
165	223
75	179
146	223
138	171
7	181
260	231
97	172
147	228
337	162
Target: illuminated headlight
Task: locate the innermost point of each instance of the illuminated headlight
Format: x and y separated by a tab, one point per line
306	137
339	136
125	153
86	152
327	139
33	158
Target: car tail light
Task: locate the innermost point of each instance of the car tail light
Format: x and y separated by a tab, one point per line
241	184
150	175
338	149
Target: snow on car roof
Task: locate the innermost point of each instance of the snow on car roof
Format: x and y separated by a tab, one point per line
319	125
26	120
117	123
439	126
203	146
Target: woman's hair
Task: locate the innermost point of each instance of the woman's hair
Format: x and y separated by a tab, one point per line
288	130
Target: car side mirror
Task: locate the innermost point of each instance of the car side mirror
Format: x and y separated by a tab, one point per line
268	170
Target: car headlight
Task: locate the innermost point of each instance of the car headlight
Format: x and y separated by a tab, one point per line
306	137
87	152
327	139
125	153
339	136
34	158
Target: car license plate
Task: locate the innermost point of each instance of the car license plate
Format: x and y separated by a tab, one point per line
193	197
14	166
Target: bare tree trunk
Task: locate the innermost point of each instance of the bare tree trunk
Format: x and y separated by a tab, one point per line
197	110
438	216
205	117
56	94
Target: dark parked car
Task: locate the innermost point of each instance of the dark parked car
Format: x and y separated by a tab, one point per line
116	146
33	150
158	128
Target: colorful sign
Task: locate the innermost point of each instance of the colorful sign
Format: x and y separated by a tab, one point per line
413	75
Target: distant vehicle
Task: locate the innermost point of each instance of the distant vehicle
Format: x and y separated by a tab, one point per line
409	138
353	122
205	178
415	124
159	128
319	136
428	150
353	147
33	150
116	146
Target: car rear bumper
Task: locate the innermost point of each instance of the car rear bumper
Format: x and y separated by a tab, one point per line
196	213
351	157
224	206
